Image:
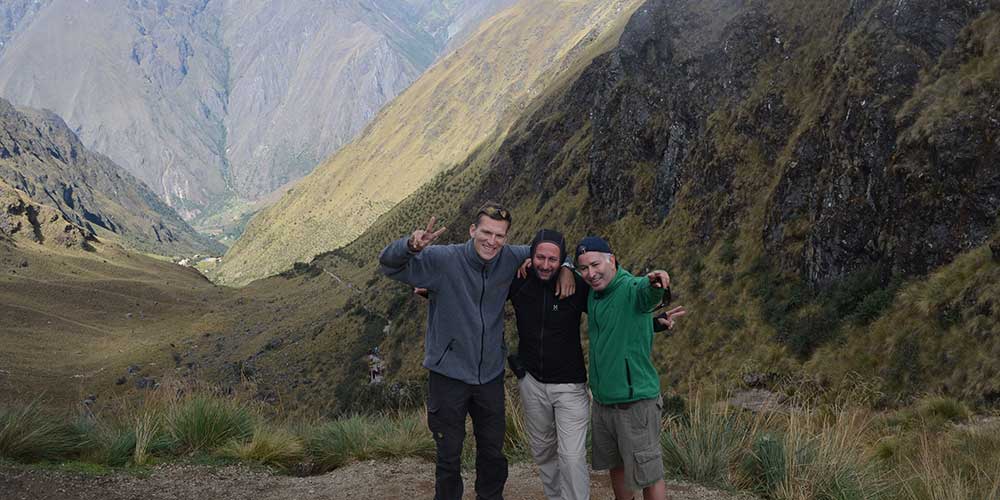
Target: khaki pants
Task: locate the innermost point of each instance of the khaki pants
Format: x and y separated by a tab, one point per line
556	417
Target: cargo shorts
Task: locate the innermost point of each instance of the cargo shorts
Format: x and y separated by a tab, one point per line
628	435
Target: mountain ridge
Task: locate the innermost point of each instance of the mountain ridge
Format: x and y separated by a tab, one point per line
42	157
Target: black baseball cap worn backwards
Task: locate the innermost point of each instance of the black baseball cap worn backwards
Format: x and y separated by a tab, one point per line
592	244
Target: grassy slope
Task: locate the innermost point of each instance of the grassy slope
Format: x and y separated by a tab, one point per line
74	320
435	124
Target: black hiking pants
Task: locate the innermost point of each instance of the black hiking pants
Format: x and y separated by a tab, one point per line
448	402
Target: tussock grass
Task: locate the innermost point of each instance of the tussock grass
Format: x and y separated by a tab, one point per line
516	442
406	435
335	444
943	408
268	446
960	463
816	451
149	435
109	444
202	422
707	441
817	456
28	434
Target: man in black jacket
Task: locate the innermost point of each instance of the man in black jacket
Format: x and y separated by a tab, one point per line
550	367
553	383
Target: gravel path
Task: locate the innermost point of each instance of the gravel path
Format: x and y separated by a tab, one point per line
403	480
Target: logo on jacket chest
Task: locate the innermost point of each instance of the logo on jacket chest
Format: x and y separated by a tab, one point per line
555	307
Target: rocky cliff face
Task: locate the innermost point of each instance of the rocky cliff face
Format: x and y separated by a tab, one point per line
210	100
795	164
866	136
40	156
21	219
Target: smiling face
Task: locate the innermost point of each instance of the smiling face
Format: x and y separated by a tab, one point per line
488	236
597	269
545	260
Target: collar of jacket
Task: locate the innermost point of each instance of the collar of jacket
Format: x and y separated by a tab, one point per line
619	278
473	258
550	284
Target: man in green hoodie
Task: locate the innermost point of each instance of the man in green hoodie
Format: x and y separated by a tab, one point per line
627	405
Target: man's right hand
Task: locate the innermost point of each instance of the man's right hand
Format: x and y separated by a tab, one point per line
422	238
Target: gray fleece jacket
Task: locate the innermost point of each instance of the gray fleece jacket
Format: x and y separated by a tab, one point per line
467	294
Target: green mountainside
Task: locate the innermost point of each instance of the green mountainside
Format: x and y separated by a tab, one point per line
821	180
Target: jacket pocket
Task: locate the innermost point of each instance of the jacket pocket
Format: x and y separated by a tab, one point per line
628	380
447	348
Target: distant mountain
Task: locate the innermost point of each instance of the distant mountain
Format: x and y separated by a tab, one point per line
213	101
471	94
42	157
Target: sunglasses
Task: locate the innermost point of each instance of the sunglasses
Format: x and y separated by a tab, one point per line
494	213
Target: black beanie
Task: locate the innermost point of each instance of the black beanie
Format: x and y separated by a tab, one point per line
550	236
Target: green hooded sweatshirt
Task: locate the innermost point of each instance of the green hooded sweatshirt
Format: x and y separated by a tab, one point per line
621	340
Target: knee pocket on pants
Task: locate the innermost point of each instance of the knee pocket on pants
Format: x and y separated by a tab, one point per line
648	467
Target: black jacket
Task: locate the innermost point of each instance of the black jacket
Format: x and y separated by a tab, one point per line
548	329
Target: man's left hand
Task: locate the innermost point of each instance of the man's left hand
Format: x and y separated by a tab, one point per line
659	279
522	272
566	285
668	318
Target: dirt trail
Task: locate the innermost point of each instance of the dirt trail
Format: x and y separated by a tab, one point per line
402	480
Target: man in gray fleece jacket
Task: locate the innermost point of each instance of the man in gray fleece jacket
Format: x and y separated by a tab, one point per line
464	348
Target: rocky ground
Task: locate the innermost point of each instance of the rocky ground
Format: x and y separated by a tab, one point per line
407	479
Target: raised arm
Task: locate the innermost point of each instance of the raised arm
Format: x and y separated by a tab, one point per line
410	260
651	290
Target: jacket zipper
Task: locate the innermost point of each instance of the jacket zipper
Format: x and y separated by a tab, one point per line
541	334
591	313
628	378
443	354
482	321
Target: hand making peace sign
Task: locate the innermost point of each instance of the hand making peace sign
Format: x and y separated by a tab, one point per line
422	238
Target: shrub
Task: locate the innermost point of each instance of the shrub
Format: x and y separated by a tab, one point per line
29	435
